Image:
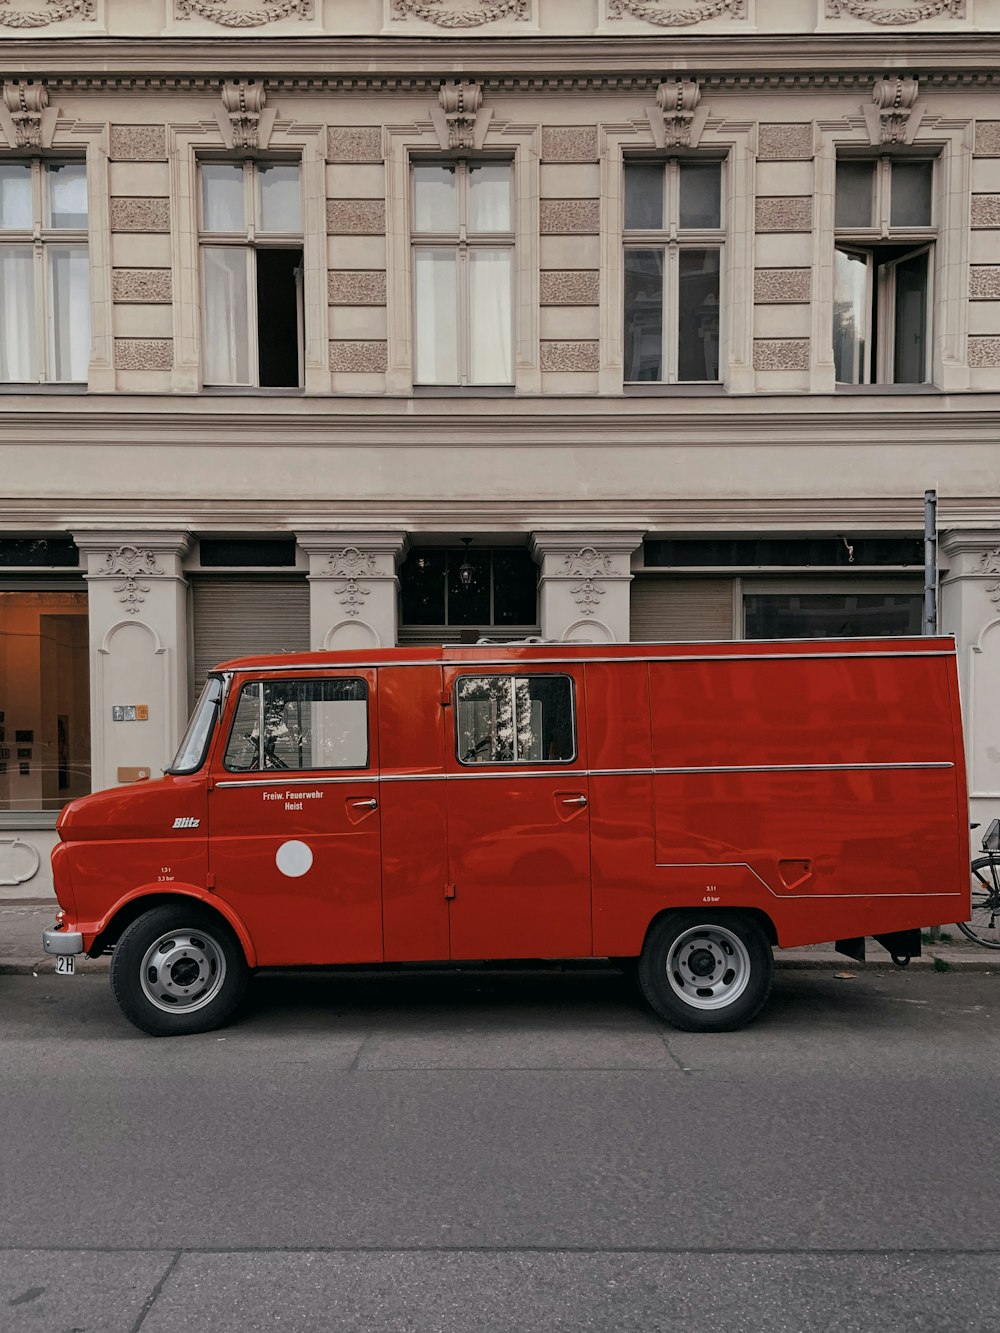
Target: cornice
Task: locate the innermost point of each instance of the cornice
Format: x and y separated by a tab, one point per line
407	63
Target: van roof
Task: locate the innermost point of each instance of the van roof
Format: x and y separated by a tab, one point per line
499	653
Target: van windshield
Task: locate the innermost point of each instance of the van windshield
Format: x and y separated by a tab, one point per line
194	746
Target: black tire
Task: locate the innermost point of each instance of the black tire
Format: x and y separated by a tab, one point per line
177	970
983	926
706	971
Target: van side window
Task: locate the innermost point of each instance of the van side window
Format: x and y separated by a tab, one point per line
514	719
305	724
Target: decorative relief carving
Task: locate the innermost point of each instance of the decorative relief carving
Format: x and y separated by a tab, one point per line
138	143
569	143
916	11
131	565
986	210
571	357
350	565
56	11
354	143
356	287
358	358
243	101
567	217
571	287
989	563
144	354
25	101
984	352
670	14
19	861
588	564
892	106
129	214
678	100
781	354
987	141
784	213
984	282
355	217
460	103
141	286
461	15
250	14
773	286
785	143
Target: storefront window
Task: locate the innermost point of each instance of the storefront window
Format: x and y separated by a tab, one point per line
831	615
44	699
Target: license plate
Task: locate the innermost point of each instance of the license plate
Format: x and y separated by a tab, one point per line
65	964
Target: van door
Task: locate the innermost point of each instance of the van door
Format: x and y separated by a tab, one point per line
518	818
294	840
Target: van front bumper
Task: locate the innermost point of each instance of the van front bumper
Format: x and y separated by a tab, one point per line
62	941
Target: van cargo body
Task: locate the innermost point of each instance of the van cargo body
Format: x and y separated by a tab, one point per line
687	806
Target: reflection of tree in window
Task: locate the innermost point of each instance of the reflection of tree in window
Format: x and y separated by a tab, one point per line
506	719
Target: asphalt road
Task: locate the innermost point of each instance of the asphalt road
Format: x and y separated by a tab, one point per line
499	1151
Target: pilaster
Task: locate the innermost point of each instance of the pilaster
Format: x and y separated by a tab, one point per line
584	584
137	597
353	588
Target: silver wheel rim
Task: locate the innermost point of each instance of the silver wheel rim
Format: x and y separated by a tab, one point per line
708	967
182	971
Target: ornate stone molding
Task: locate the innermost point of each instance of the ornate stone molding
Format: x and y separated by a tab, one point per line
669	14
131	565
460	103
677	100
25	102
889	116
19	861
990	564
918	11
243	102
445	15
251	15
56	11
588	565
348	566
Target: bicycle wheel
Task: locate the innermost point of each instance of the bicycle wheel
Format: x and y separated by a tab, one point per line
983	926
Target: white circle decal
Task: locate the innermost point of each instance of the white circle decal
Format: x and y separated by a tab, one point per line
294	859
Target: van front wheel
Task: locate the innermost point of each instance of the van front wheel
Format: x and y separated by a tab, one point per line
178	970
706	972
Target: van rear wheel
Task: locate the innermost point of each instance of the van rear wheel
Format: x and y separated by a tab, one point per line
178	970
706	972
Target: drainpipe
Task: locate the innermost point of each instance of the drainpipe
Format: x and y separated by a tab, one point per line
930	563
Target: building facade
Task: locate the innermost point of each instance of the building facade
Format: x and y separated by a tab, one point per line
343	323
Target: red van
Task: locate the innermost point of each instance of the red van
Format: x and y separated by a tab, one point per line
684	807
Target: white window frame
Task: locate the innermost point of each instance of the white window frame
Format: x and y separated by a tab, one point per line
866	242
671	239
464	243
42	237
252	239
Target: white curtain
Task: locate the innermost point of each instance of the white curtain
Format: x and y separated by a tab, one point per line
222	197
489	197
490	283
15	197
17	314
69	312
435	295
227	318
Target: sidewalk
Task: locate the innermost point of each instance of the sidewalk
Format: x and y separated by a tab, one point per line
21	926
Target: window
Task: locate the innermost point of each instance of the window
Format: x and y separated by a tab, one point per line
480	588
882	265
514	719
673	260
306	724
833	615
44	699
462	228
44	273
251	254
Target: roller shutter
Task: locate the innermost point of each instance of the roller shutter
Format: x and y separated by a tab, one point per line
671	610
234	617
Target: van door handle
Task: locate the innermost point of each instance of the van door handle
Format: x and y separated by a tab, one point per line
574	800
366	805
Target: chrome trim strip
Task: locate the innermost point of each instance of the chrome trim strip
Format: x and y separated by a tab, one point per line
291	782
